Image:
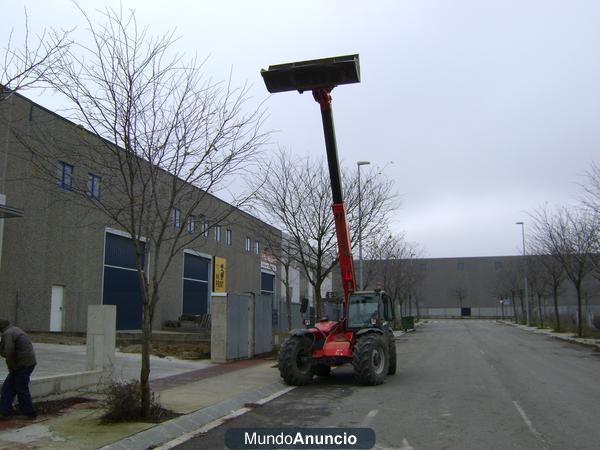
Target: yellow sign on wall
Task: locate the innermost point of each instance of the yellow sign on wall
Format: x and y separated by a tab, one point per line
220	274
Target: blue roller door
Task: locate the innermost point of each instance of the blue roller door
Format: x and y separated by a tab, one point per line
195	284
121	282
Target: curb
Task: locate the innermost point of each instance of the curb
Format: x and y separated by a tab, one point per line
215	423
574	340
190	425
398	334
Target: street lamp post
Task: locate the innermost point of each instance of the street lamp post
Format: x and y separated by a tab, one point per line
528	314
360	258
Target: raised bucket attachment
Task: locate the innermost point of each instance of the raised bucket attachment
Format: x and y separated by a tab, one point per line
313	74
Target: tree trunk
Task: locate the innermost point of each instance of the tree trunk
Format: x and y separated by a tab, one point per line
145	370
540	316
318	310
579	310
514	305
522	307
288	297
556	313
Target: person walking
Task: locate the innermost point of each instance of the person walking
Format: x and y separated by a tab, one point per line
17	349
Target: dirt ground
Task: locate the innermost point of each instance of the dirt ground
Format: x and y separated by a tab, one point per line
181	350
57	338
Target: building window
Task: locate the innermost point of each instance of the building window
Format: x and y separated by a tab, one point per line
498	265
460	266
256	247
66	176
218	233
248	244
176	217
228	237
94	186
191	227
423	267
205	229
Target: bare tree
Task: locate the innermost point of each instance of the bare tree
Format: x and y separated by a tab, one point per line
390	265
591	202
459	292
540	282
591	189
295	194
27	65
550	269
169	140
569	236
284	252
508	285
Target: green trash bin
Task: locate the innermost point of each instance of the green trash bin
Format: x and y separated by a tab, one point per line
408	323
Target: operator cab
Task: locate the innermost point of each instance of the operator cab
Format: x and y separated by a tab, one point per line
369	309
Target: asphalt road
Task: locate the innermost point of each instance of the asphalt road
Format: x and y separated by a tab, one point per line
460	385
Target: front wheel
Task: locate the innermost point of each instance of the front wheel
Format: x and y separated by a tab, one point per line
295	360
370	360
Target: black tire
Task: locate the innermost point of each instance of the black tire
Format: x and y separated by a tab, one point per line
392	352
295	362
321	370
371	359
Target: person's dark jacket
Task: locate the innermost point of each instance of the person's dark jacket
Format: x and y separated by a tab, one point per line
16	348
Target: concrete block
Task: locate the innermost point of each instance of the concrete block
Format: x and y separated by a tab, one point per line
58	385
218	339
101	334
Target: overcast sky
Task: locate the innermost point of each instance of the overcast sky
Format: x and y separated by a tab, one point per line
488	109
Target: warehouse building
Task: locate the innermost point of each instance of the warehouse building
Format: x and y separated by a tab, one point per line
58	256
487	287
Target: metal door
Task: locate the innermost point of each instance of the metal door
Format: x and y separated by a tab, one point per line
121	282
237	326
195	284
263	325
56	308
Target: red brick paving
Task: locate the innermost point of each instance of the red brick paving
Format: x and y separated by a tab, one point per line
200	374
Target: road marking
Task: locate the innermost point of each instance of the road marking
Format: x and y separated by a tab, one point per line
528	422
369	418
406	445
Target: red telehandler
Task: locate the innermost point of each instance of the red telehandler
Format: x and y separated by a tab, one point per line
363	336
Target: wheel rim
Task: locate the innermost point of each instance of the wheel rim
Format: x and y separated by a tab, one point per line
378	360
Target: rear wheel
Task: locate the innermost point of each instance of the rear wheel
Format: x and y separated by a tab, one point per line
295	360
371	359
392	352
321	370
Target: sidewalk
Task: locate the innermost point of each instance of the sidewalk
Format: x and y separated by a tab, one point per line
54	358
201	396
570	337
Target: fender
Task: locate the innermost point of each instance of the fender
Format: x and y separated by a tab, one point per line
369	330
301	332
317	336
